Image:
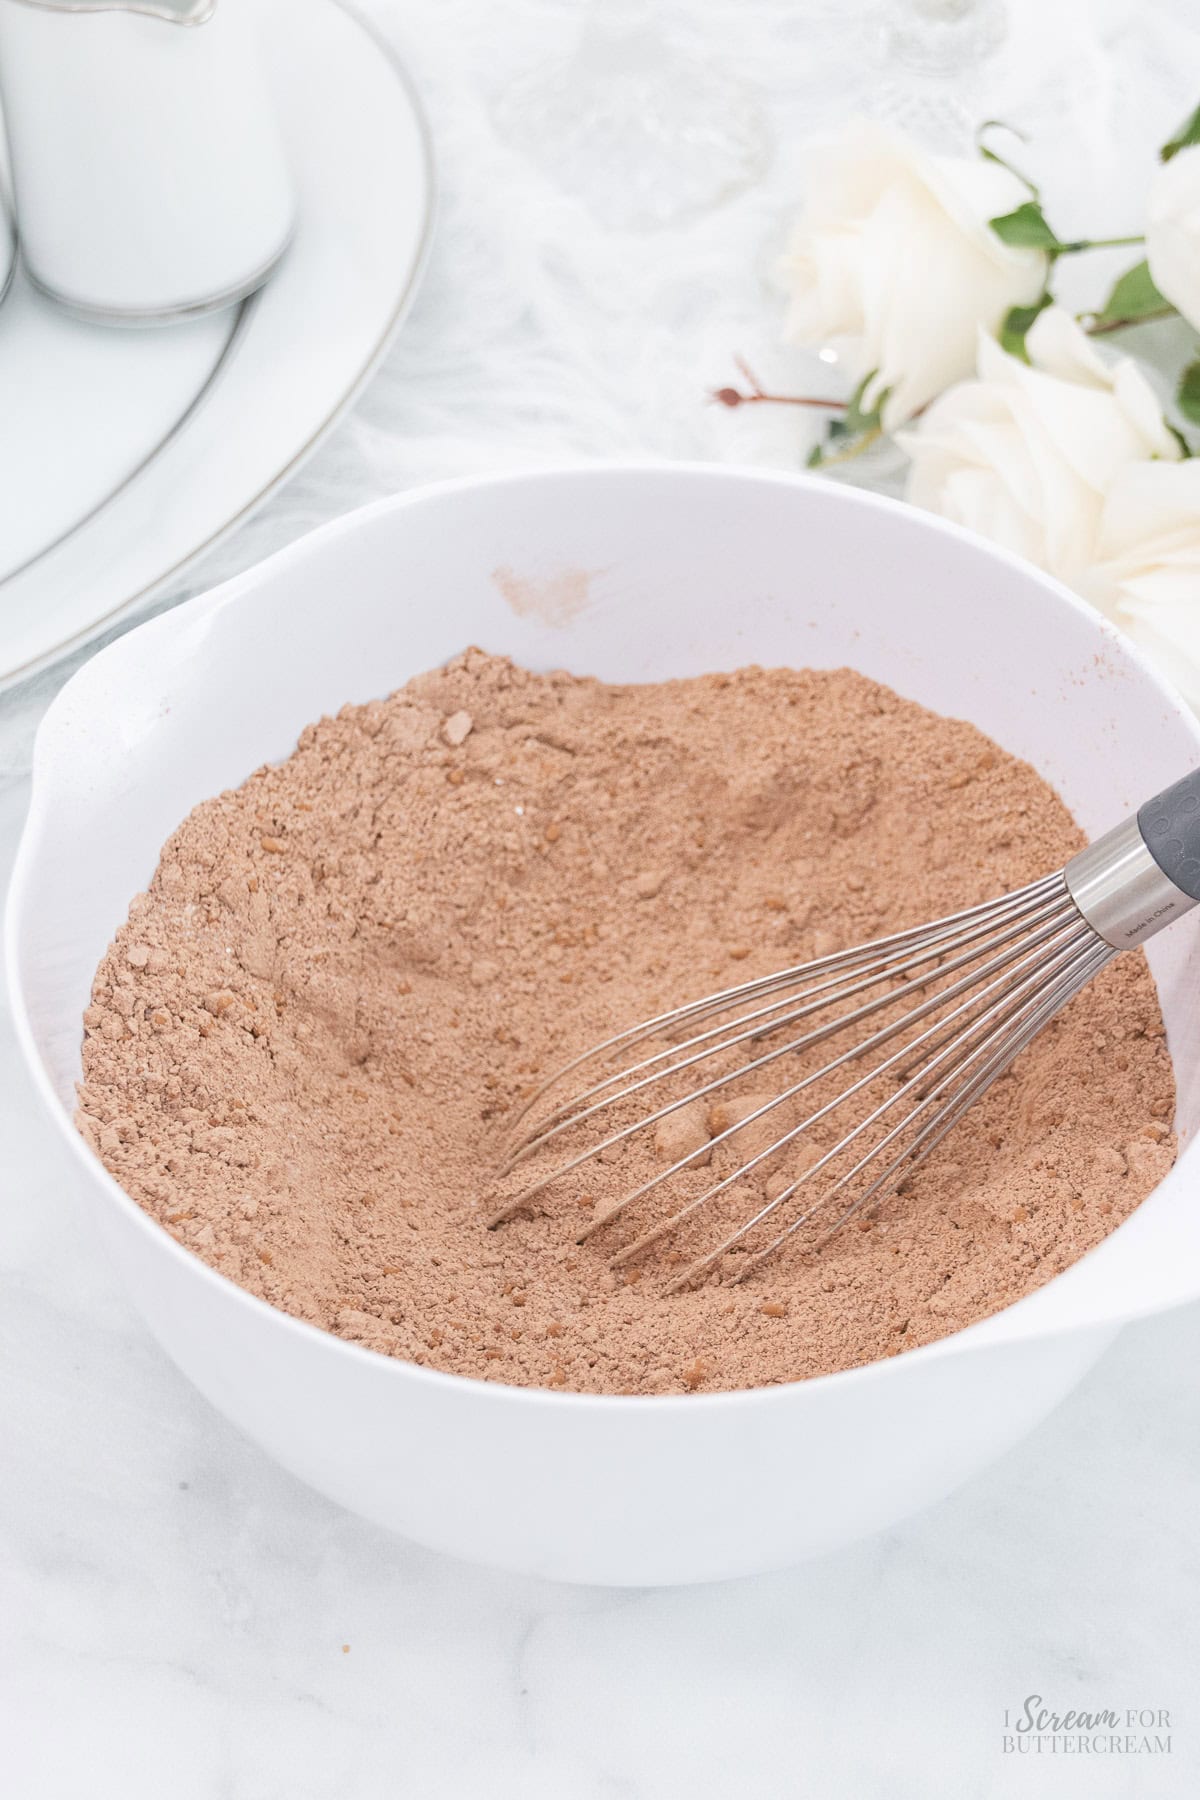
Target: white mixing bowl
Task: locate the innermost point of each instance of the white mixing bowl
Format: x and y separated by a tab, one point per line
632	575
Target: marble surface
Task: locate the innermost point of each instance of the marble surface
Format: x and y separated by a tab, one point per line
181	1620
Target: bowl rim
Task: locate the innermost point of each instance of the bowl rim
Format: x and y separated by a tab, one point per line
977	1337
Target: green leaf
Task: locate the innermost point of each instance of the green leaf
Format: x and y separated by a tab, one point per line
1187	395
990	155
854	420
1133	297
1017	322
1185	449
854	431
1026	228
1188	133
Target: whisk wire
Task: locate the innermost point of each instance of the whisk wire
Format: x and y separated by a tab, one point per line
964	995
1047	921
725	1037
959	1048
1004	1051
747	991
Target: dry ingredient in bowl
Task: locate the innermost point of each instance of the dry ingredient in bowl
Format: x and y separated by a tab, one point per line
303	1045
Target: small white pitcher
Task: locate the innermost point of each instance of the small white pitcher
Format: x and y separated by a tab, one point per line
150	176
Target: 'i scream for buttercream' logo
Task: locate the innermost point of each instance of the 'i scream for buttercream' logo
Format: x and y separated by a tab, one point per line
1038	1729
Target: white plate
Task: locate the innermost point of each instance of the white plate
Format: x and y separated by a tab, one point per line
124	454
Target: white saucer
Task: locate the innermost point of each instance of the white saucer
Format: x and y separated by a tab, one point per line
125	453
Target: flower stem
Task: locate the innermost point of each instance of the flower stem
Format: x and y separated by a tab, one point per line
731	396
1113	243
1104	326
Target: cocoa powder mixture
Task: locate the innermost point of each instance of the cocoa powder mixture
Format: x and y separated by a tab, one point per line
304	1045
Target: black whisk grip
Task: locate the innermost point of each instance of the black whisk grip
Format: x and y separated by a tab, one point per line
1170	828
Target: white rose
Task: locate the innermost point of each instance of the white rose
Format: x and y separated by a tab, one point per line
1146	575
894	258
1028	453
1173	232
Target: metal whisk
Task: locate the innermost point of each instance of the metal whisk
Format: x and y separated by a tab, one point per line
953	1003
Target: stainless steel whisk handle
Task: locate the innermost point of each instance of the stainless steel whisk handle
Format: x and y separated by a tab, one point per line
1144	874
